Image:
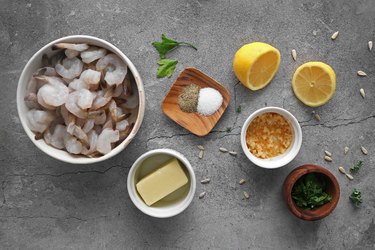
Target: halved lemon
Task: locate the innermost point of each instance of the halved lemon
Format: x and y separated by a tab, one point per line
255	64
314	83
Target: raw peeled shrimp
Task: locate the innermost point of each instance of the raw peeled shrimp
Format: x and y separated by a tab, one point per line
39	120
115	69
100	101
80	134
93	138
45	71
72	144
71	53
91	78
85	98
68	117
72	46
54	93
71	105
132	100
122	125
31	99
56	139
106	137
108	123
78	84
101	118
71	49
70	68
93	53
89	124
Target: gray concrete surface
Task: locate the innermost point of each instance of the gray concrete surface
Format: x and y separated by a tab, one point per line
46	204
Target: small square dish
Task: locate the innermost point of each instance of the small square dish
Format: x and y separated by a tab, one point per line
196	123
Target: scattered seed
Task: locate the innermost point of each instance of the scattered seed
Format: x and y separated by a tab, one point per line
200	147
242	181
205	181
362	92
327	158
294	54
246	194
328	153
346	150
201	195
364	150
342	170
200	154
361	73
234	153
317	117
224	150
370	45
350	177
334	35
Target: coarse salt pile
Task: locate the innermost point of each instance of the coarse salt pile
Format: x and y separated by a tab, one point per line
209	101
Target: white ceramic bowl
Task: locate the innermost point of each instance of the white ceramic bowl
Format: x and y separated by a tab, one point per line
146	164
35	62
289	154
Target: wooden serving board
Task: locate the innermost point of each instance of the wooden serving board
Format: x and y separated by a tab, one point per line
197	124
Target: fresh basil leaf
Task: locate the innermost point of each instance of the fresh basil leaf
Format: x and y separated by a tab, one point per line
166	67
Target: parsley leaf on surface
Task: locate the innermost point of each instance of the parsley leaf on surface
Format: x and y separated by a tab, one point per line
167	45
356	166
166	67
238	109
356	197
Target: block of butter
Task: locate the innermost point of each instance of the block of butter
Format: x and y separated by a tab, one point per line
163	181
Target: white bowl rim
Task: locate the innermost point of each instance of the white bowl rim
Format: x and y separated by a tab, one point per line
141	108
267	163
158	212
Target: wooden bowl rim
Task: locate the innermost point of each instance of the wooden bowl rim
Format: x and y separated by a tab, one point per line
294	176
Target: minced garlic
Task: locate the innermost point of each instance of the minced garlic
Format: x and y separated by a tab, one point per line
269	135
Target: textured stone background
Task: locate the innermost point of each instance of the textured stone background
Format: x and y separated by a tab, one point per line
46	204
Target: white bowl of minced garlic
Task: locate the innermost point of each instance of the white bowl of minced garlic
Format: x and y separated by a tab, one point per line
271	137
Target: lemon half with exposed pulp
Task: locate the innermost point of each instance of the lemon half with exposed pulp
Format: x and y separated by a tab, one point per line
255	64
314	83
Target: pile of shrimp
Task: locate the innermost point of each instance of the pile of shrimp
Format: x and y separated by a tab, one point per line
83	100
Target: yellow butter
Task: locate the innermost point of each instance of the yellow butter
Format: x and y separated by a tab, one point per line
165	180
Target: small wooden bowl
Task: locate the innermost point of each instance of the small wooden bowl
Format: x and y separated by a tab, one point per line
333	189
197	124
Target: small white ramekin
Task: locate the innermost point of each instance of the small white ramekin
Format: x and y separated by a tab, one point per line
289	154
159	156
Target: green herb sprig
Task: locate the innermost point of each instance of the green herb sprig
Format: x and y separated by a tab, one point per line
356	197
308	193
167	66
356	166
238	109
167	45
